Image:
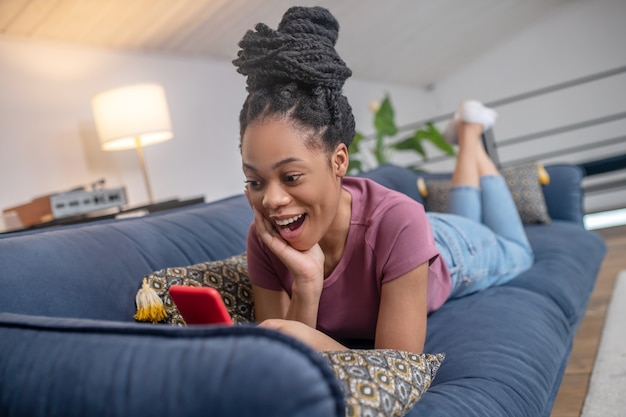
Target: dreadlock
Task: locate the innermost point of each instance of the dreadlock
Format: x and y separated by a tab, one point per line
295	71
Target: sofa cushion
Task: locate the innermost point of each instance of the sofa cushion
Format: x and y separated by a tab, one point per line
506	359
382	382
523	183
567	260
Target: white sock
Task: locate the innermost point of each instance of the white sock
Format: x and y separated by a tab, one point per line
472	111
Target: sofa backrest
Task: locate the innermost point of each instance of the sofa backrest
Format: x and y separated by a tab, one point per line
93	270
397	178
563	195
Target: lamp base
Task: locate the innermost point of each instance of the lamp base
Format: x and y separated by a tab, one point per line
142	163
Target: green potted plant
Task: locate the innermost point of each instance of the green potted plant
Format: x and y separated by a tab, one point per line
385	141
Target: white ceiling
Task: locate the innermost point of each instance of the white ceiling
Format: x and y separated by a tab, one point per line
413	42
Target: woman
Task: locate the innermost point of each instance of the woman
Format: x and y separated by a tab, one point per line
341	262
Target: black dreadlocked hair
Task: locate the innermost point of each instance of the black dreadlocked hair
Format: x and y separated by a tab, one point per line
295	71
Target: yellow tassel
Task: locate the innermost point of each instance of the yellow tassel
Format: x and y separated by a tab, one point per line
149	305
544	177
421	187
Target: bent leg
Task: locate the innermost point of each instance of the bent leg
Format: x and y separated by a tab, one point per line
499	211
466	201
493	248
465	194
475	255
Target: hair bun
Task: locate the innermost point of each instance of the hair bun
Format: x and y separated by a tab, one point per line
301	50
310	22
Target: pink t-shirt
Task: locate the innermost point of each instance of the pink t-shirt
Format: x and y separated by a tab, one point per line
389	236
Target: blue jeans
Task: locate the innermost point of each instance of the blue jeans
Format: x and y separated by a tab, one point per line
482	238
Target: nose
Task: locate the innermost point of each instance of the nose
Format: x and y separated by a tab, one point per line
275	196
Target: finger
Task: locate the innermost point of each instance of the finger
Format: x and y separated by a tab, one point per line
270	237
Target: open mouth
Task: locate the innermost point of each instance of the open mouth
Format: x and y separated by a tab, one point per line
291	223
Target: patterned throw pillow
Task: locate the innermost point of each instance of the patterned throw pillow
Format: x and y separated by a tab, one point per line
382	382
228	276
523	182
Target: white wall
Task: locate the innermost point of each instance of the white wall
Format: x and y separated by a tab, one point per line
580	39
584	37
49	144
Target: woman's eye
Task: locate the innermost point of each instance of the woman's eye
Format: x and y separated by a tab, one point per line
252	183
292	178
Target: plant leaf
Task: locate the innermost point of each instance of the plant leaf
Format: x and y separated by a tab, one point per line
356	142
412	143
384	119
355	165
432	134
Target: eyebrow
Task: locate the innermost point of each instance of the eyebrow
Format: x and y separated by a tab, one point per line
277	164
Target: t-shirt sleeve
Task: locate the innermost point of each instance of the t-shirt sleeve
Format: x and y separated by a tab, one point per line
261	269
405	239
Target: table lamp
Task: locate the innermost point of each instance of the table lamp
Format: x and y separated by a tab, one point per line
132	117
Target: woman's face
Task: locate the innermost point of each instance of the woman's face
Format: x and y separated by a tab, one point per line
297	188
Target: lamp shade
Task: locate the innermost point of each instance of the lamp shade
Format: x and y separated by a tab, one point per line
129	114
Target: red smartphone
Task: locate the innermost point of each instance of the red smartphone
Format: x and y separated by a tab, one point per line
200	305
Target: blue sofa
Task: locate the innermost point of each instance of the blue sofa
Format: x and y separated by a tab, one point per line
69	345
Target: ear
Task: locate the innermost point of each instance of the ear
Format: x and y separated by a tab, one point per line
340	160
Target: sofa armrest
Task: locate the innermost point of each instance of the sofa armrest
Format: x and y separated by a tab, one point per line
564	194
76	367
